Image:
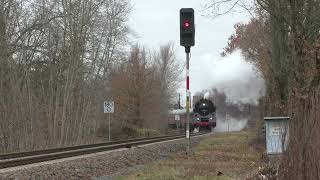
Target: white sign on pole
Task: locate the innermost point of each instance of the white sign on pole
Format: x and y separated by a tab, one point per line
177	117
108	107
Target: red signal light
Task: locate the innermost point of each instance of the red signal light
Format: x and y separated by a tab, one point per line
186	24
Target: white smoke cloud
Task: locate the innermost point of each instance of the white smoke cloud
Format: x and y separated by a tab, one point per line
231	74
230	125
206	95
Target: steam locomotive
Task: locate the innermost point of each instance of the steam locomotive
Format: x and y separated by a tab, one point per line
204	115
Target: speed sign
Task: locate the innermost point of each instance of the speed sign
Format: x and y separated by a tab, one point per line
108	107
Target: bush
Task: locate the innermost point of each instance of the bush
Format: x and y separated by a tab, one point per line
147	133
128	132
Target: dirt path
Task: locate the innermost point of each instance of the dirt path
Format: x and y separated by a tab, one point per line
224	156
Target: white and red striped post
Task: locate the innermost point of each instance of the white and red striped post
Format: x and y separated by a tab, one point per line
187	49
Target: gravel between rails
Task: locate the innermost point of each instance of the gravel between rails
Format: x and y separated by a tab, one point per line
100	166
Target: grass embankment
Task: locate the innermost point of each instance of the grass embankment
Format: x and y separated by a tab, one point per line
227	153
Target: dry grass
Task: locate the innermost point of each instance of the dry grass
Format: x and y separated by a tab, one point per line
228	153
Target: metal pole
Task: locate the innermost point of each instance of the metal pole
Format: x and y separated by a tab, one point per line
187	49
228	125
228	117
226	121
109	128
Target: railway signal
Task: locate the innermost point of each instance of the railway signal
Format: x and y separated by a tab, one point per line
187	28
187	38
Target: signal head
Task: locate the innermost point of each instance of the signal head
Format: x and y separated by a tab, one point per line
187	27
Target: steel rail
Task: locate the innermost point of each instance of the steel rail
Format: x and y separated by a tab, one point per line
18	159
54	150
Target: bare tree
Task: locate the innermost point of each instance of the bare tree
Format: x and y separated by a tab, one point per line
54	71
216	8
135	89
143	86
169	71
60	59
293	73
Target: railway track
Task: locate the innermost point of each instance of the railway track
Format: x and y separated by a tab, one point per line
24	158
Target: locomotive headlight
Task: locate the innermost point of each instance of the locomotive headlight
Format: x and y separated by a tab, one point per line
198	119
211	118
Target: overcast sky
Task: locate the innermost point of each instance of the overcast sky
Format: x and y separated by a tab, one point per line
157	22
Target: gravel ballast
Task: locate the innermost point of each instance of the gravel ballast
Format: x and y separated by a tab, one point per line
100	165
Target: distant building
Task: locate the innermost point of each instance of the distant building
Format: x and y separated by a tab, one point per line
174	107
173	117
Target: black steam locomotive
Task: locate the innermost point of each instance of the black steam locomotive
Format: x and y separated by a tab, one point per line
204	115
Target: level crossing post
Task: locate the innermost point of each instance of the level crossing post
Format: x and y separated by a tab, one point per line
187	50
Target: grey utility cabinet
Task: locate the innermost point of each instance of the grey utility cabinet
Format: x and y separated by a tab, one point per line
277	134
